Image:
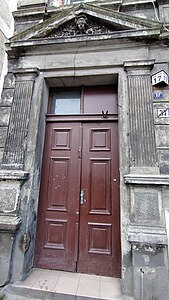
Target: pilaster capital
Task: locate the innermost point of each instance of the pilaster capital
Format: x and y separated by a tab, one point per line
138	67
27	74
9	223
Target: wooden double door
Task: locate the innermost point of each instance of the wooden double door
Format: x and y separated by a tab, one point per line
78	221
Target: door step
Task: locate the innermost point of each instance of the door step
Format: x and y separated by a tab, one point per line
13	292
60	285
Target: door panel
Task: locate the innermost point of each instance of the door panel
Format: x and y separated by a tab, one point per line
99	190
99	239
59	198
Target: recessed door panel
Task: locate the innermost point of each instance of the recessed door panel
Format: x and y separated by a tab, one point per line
55	234
100	236
58	188
100	189
61	138
100	140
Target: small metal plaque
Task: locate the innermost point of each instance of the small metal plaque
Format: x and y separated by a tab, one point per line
158	95
163	112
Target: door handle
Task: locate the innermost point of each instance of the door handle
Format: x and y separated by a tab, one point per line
82	197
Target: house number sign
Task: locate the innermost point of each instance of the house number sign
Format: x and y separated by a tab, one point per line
160	78
163	112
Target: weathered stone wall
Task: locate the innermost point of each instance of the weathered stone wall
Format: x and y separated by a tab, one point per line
143	140
6	31
25	17
5	108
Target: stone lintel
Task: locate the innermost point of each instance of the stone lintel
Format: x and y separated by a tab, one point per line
12	166
13	175
27	11
9	223
146	179
133	67
27	74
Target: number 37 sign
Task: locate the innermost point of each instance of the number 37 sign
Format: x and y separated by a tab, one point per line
160	78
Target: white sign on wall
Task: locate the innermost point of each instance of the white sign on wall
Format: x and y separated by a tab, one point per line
163	112
160	77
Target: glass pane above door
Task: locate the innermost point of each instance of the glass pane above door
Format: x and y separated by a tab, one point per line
65	102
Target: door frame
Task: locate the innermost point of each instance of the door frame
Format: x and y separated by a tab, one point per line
83	118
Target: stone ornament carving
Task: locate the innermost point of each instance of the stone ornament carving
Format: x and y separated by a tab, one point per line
148	248
8	198
81	25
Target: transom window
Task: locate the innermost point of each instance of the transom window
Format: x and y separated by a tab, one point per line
87	100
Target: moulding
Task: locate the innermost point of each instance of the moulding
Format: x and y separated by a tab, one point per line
139	64
31	3
146	179
13	175
156	236
25	74
132	34
9	223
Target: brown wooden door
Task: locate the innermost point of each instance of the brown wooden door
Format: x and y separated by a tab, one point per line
57	231
99	239
80	158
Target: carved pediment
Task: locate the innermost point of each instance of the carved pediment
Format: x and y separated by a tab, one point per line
85	19
81	25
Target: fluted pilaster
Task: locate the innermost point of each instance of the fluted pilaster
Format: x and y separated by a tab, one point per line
141	120
14	151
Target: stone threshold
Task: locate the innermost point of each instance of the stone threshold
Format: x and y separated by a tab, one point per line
19	293
59	285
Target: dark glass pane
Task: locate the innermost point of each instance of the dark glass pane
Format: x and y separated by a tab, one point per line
66	102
